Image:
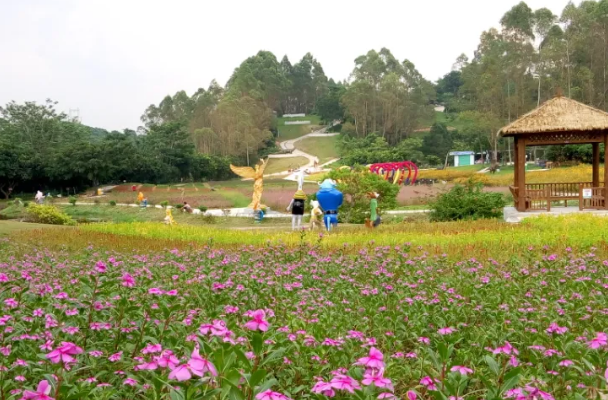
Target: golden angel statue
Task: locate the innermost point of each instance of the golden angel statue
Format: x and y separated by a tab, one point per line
258	176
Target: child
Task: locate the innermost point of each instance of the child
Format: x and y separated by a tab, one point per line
315	213
187	207
374	218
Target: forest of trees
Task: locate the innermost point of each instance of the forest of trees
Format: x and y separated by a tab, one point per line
531	56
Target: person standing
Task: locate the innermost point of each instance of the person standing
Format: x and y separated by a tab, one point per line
297	209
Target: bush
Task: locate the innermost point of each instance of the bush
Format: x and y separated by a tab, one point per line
355	185
48	215
26	204
112	203
467	203
178	206
72	200
164	203
202	208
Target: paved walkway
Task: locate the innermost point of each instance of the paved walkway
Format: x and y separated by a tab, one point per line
289	145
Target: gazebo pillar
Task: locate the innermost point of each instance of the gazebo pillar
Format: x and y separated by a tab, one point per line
520	172
596	165
605	169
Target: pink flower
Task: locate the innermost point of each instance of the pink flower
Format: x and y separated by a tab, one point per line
344	382
201	364
64	353
411	395
258	321
428	382
41	393
181	373
565	363
446	331
424	340
554	328
600	340
129	382
506	349
128	280
323	388
115	357
171	292
100	267
377	379
387	395
270	395
606	372
374	360
167	360
461	370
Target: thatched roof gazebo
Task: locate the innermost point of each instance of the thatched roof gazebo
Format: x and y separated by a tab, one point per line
559	121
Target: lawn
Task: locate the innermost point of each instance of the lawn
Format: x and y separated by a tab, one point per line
276	165
324	148
287	132
184	313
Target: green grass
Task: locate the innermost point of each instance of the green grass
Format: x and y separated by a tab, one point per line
10	227
238	199
276	165
288	132
324	148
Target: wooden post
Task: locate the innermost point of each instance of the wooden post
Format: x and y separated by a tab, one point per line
581	204
596	165
605	169
520	150
548	194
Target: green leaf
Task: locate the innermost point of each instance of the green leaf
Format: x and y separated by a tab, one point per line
257	377
273	356
257	343
494	367
267	385
176	395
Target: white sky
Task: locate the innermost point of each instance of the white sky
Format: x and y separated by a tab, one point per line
113	58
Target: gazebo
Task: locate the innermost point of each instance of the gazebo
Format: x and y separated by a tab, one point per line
559	121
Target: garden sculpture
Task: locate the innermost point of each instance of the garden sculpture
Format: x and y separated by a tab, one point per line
394	172
315	213
140	197
39	197
258	185
169	217
297	209
374	219
330	200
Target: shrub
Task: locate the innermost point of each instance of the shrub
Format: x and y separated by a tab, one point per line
178	206
164	203
72	200
26	204
355	185
113	203
48	215
202	208
467	203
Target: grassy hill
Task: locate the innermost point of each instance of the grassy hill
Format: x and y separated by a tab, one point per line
288	132
324	148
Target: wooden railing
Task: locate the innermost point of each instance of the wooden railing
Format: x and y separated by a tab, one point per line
597	201
539	196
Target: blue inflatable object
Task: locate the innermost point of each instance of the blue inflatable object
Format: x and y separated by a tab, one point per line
330	200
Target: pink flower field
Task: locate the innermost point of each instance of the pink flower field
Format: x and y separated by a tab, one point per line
276	324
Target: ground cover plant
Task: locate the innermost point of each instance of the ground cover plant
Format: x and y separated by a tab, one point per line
277	322
482	238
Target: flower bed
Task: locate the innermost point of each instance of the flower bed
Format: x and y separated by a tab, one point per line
275	323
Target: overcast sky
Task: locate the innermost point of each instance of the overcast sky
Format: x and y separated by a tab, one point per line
112	58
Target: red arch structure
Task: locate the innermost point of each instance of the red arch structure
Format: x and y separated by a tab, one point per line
388	171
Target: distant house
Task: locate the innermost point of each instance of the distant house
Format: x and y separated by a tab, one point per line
462	158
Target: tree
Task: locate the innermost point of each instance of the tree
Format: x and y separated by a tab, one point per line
438	142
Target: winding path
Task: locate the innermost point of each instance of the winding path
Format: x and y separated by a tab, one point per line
289	145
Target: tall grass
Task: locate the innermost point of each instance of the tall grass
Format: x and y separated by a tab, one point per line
480	238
